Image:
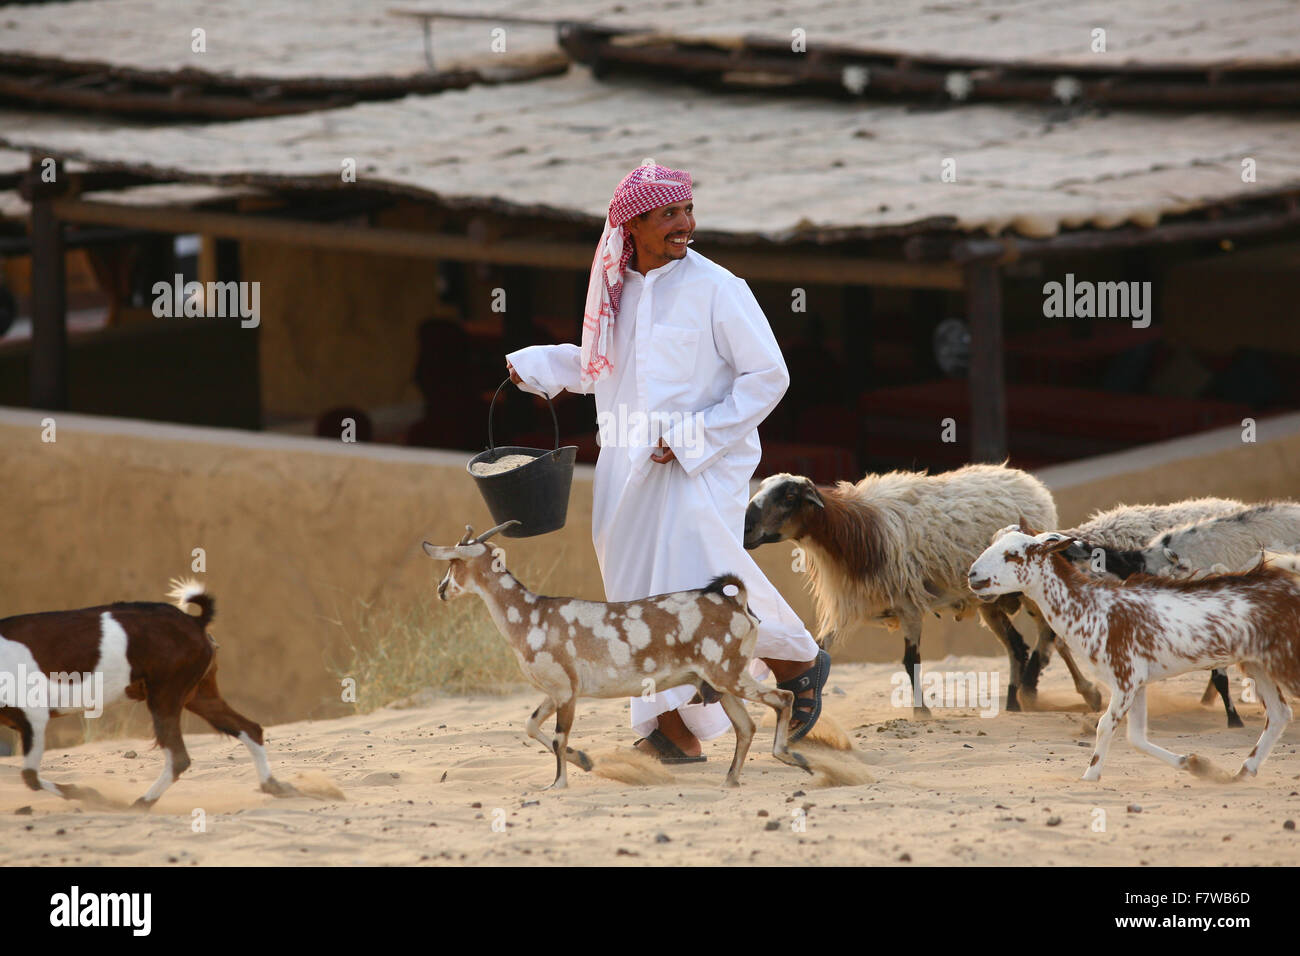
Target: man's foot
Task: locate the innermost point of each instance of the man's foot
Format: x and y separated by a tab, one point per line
671	741
659	746
808	695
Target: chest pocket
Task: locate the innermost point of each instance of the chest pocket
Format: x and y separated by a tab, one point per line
673	353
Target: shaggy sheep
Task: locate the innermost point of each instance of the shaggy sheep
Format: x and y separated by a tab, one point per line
895	546
1132	526
1228	542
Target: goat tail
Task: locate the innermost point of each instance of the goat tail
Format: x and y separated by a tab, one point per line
191	592
722	582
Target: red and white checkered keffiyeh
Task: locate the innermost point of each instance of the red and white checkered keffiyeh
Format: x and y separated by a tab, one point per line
645	188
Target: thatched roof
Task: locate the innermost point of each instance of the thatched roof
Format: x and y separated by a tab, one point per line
362	38
278	39
1181	33
772	167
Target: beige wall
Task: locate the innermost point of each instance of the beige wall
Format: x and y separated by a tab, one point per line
340	328
297	529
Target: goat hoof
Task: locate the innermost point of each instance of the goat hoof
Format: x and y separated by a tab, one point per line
582	760
1093	698
70	791
278	789
143	805
921	713
1234	721
731	781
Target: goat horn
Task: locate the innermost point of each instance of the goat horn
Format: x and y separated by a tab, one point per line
491	531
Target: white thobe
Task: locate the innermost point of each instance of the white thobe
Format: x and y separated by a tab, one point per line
691	344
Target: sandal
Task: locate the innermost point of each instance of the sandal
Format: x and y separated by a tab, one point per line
806	710
669	752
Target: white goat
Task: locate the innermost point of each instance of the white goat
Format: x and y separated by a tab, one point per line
1152	628
570	649
896	546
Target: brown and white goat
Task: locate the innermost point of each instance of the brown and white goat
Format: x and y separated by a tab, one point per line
146	651
570	649
1151	628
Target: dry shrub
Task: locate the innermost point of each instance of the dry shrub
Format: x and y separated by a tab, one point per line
431	647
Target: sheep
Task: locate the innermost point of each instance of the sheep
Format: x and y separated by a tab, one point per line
1150	628
1131	526
1226	542
569	648
57	661
895	546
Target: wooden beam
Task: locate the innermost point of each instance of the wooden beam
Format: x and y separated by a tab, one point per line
988	399
48	377
780	265
1009	249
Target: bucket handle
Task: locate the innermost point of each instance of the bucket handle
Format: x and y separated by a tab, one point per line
492	444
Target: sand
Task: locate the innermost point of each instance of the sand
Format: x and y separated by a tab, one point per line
426	785
503	464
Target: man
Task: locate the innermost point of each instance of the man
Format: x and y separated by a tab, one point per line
684	366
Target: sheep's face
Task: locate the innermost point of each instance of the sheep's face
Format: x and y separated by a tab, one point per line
1099	561
1005	565
1162	561
779	508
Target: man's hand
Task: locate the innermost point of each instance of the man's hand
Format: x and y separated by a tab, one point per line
667	454
514	376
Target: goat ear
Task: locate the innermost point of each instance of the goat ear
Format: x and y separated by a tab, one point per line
813	496
1057	543
1078	550
1026	528
439	554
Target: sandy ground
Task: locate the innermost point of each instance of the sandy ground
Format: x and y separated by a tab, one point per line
455	780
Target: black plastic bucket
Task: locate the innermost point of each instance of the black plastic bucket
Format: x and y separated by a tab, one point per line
536	494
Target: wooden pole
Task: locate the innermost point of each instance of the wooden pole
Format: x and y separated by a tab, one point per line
987	384
48	376
779	265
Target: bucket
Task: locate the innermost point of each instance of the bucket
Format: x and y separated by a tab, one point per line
536	494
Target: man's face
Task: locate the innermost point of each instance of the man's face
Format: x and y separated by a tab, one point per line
661	234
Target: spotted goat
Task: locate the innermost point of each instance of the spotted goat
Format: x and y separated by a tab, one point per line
147	651
570	649
1150	628
1127	527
